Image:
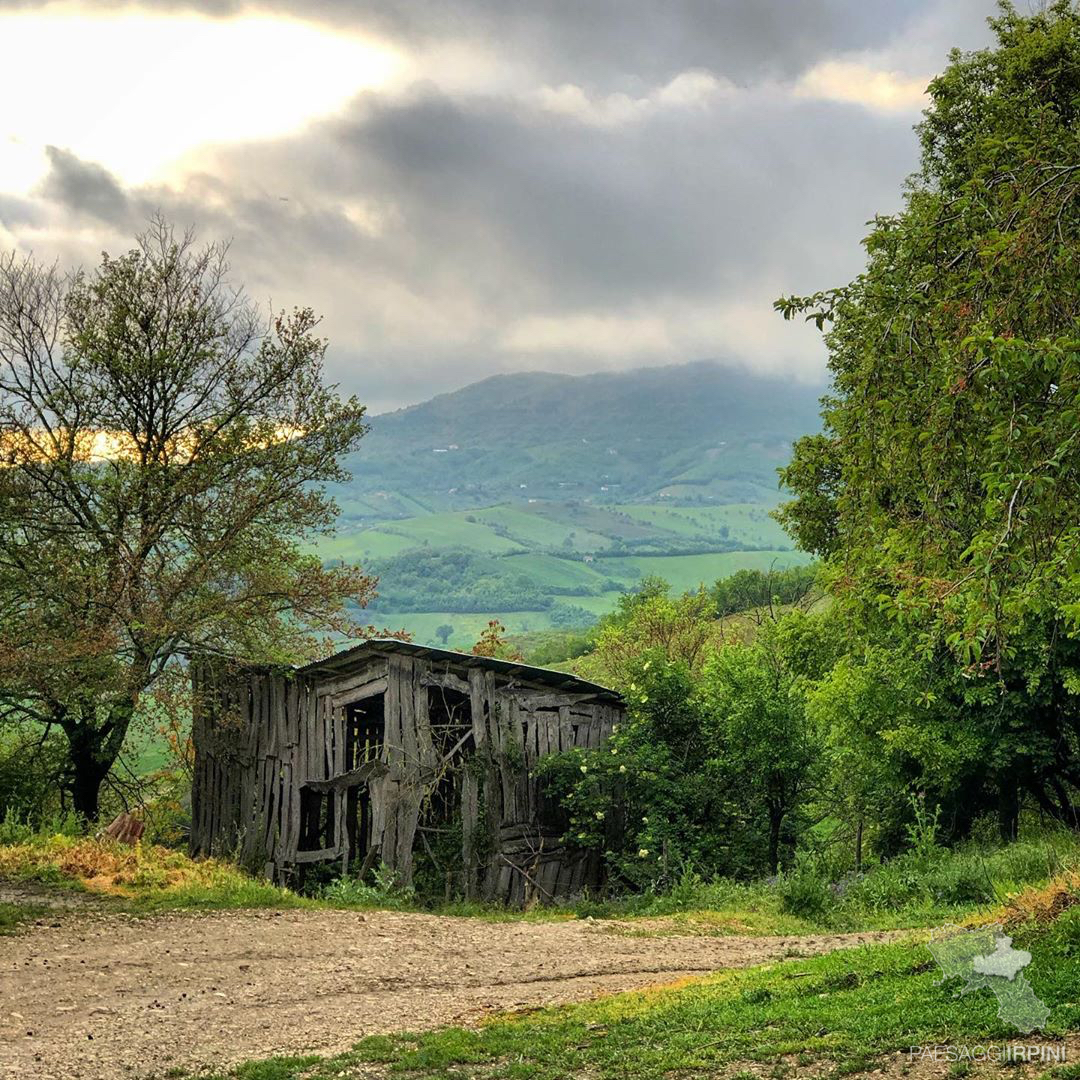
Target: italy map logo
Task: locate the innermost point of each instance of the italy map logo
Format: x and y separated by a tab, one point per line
985	959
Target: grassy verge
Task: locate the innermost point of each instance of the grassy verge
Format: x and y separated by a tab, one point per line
908	892
841	1012
138	878
13	916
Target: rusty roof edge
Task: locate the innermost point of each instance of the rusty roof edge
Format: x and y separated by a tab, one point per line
561	679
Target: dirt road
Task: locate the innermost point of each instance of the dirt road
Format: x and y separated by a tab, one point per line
115	996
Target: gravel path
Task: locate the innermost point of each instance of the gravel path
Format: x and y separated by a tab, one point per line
118	996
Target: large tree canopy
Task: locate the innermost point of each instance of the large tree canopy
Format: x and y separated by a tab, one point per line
165	450
945	486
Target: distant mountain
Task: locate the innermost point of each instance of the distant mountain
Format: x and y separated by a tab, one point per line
691	433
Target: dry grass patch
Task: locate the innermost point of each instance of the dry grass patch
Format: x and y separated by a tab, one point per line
150	876
1042	905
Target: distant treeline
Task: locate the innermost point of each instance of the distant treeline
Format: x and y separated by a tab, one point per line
468	582
746	590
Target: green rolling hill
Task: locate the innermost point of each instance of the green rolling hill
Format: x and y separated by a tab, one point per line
539	498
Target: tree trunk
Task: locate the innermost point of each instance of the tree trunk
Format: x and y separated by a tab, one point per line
1008	809
93	748
776	820
86	787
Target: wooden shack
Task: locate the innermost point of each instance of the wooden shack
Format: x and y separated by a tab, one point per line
394	754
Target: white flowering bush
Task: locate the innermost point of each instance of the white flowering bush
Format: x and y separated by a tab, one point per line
651	799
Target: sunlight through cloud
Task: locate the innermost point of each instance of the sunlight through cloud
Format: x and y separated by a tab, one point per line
136	92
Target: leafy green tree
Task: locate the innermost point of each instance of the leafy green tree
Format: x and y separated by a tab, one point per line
754	696
748	589
944	486
681	628
444	632
866	709
653	799
165	450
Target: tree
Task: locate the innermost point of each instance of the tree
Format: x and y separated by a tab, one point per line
754	696
654	799
165	450
944	486
492	643
681	628
444	632
746	590
873	728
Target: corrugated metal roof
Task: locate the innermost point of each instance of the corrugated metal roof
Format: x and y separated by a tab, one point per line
558	680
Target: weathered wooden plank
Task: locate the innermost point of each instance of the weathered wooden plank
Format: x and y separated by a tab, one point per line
314	737
272	705
447	680
469	830
532	702
592	732
341	836
427	758
360	692
290	811
567	740
395	754
253	685
369	770
322	855
326	715
478	707
410	748
382	793
408	817
365	673
547	875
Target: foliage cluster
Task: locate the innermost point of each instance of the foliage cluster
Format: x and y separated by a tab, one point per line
942	491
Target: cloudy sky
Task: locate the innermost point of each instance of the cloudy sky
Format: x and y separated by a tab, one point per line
464	187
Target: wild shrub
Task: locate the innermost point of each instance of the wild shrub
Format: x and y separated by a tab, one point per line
385	892
805	892
652	799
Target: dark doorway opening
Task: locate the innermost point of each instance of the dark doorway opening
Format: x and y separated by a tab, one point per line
316	819
365	731
365	736
450	717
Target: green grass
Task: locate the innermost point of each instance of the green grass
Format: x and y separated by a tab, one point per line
684	572
449	530
904	893
747	523
467	627
558	573
846	1008
535	530
14	916
363	545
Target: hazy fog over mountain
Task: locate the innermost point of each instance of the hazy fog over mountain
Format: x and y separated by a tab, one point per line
697	432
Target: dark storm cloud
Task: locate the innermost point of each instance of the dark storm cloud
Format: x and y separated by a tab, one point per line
532	213
84	186
437	228
604	41
687	201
